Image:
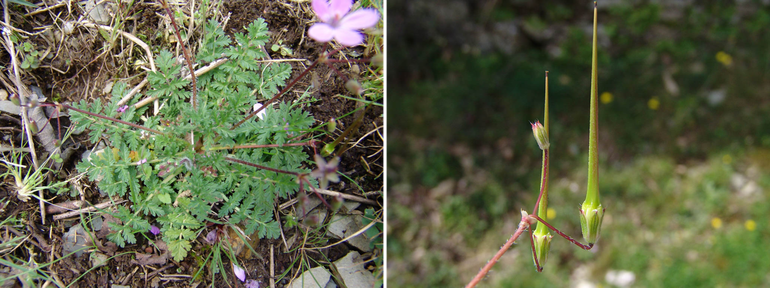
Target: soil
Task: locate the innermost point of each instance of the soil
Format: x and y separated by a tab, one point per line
79	68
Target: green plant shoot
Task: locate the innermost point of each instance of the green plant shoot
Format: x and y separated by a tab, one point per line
592	212
541	238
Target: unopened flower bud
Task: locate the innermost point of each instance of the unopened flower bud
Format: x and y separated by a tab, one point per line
328	149
312	220
377	60
331	125
15	99
337	202
542	245
591	222
354	87
33	126
540	135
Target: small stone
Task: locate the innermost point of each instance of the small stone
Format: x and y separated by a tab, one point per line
98	260
313	278
352	271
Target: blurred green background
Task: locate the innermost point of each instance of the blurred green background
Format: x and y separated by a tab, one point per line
684	135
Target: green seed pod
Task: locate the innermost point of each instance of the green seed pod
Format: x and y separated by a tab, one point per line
592	212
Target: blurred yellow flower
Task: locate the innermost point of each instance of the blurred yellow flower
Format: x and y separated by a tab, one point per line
550	213
724	58
750	225
606	97
727	159
716	223
653	103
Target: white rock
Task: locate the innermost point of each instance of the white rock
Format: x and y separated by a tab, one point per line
262	113
620	278
313	278
352	271
342	226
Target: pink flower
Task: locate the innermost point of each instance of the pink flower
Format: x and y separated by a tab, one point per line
239	272
211	237
251	284
337	25
154	230
327	171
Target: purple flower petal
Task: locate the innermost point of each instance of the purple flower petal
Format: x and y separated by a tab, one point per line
239	272
321	32
333	177
251	284
154	230
348	37
211	237
321	8
360	19
340	7
333	163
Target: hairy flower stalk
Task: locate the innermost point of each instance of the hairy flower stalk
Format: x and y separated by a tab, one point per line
541	237
592	212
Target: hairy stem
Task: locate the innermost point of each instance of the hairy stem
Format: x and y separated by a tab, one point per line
261	167
484	271
248	146
570	239
114	120
542	211
291	84
187	57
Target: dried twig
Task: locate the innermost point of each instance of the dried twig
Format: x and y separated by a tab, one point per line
333	194
272	267
87	210
22	93
147	100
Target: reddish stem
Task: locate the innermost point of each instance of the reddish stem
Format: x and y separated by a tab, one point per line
522	225
534	253
349	60
261	167
261	146
186	54
581	245
344	79
542	184
316	193
114	120
291	84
